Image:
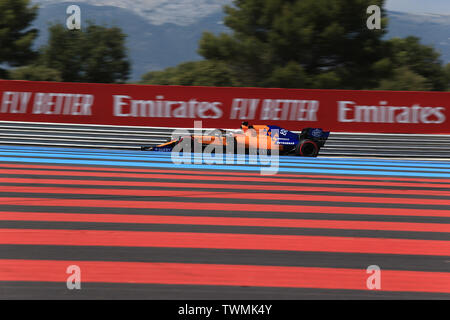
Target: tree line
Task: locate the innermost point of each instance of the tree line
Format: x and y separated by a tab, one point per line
316	44
94	54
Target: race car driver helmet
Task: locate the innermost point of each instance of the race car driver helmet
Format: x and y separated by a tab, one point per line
245	126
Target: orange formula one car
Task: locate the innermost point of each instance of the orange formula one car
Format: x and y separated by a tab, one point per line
306	143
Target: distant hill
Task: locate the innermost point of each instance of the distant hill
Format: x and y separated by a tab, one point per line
157	12
156	46
432	29
151	47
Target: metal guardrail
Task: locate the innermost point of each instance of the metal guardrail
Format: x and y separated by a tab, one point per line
124	137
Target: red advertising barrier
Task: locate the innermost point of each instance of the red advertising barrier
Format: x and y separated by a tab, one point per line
178	106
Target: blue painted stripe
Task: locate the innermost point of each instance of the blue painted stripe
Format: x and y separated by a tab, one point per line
283	159
84	156
151	159
221	167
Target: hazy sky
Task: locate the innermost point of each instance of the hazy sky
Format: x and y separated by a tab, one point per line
420	6
413	6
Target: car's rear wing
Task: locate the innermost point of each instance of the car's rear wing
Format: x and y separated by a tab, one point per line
316	134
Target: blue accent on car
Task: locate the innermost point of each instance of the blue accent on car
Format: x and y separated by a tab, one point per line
285	137
318	133
162	149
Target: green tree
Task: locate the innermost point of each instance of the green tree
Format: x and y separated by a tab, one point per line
447	75
414	65
16	35
35	73
326	42
97	54
404	79
292	75
310	44
194	73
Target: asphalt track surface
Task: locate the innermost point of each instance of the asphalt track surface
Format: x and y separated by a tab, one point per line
141	227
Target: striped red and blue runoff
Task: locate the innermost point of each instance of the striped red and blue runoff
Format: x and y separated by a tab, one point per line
140	226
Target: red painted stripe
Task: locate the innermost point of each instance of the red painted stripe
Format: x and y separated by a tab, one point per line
212	178
220	206
223	241
190	185
221	221
220	173
225	195
222	275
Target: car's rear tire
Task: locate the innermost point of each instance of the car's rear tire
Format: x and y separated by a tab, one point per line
307	148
